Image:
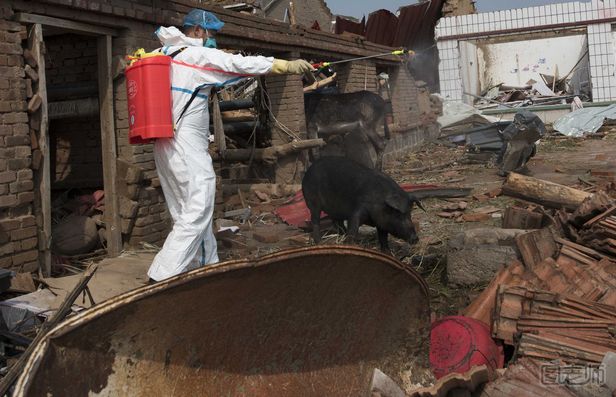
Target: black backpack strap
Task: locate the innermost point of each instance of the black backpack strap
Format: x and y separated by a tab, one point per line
195	92
176	52
192	98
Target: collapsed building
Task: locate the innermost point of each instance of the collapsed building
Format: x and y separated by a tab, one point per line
537	57
64	120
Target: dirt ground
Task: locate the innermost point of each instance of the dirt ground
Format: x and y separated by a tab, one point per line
573	162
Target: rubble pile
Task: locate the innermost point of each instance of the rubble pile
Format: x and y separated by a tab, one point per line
558	303
547	91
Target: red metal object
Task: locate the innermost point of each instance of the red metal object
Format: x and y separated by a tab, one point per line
297	214
148	88
458	343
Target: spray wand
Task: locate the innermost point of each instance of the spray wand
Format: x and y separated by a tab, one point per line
322	65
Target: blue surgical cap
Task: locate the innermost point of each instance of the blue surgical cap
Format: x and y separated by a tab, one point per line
202	18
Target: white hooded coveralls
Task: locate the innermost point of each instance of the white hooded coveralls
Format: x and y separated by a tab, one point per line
183	163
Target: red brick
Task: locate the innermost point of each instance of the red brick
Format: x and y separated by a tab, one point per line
18	164
23	174
10	224
7	249
29	243
8	176
21	186
6	262
29	267
24	233
25	257
8	201
25	197
17	140
29	220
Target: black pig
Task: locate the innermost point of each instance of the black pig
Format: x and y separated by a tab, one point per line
346	190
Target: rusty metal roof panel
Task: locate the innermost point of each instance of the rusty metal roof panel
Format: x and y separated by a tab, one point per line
416	24
381	27
346	25
314	321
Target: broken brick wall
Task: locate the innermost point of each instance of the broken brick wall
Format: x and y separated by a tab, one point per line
414	109
75	142
453	8
415	112
306	13
18	231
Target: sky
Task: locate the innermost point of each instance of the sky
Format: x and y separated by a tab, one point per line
359	8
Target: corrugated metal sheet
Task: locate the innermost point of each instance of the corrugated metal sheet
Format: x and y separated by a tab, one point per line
346	25
381	28
413	28
416	24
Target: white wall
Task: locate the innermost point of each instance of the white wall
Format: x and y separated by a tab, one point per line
595	16
470	66
517	62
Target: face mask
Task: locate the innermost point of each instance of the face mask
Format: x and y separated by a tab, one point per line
210	43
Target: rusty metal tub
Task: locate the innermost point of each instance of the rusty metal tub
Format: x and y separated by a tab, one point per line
308	322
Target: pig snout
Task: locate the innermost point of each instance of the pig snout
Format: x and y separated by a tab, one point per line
412	236
408	232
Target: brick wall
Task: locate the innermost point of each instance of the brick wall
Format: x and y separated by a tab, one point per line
18	231
287	104
142	205
404	96
357	76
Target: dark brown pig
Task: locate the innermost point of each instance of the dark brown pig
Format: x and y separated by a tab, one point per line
346	190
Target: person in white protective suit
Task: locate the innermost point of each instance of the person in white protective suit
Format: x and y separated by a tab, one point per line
183	163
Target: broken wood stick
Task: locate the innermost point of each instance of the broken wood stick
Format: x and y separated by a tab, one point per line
542	192
270	154
320	83
57	318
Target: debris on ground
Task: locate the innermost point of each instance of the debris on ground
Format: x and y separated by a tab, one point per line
585	121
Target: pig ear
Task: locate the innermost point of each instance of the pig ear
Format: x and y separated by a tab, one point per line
399	203
418	203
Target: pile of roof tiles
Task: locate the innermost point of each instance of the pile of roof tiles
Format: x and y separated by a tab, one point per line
559	303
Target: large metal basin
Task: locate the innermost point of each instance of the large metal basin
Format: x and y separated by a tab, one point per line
308	322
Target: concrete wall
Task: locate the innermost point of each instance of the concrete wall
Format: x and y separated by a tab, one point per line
596	16
517	62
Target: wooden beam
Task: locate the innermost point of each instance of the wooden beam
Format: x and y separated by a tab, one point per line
219	131
72	26
42	177
73	108
108	142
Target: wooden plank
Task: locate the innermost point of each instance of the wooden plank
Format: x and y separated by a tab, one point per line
77	27
597	218
42	176
219	130
18	367
108	143
536	246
